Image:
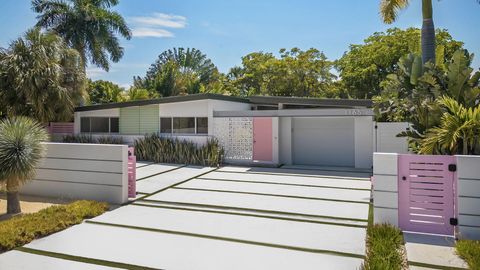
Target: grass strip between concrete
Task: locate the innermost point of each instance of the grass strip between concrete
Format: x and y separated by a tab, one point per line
179	183
270	195
235	240
304	175
173	169
282	184
84	259
253	210
250	215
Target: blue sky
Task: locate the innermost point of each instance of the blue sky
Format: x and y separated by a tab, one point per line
226	30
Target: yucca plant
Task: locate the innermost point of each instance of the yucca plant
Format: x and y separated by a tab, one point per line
167	150
21	149
458	133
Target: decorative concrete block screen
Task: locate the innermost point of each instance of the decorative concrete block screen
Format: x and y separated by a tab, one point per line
442	192
235	134
82	171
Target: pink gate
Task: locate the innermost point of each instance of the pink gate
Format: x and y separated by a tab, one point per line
426	189
132	173
262	139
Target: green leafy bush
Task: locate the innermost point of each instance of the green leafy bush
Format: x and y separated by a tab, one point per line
166	150
21	230
90	139
469	251
384	244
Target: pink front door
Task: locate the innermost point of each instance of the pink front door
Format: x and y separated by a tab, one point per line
426	193
262	139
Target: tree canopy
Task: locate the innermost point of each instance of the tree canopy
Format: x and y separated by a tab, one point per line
365	66
294	73
40	77
179	71
89	26
105	92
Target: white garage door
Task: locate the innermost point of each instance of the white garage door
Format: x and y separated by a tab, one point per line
324	141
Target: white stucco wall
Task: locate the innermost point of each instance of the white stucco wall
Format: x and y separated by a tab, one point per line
82	171
386	140
385	188
363	141
468	189
285	140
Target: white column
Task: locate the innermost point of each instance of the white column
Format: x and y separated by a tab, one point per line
385	188
468	195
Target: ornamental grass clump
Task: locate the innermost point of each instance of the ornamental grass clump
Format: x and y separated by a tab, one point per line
21	149
167	150
384	248
90	139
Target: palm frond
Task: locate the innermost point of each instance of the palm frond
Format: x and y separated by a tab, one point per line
389	9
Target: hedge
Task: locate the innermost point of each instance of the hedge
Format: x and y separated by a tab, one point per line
22	229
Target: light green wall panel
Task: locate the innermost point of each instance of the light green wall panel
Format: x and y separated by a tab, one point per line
149	119
130	120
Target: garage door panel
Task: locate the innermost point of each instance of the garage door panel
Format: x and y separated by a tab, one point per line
324	141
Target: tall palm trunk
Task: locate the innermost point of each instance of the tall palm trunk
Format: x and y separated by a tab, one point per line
13	200
428	32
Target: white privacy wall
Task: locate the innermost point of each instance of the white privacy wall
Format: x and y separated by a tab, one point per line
82	171
385	188
468	196
386	140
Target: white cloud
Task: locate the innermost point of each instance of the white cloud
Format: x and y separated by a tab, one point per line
162	19
154	26
95	72
151	32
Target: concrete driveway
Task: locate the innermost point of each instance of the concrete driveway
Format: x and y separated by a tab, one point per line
189	217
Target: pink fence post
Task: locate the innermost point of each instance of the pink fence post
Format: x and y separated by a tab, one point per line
132	173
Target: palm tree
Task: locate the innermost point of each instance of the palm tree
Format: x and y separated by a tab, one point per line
21	149
179	72
40	77
89	26
389	11
458	133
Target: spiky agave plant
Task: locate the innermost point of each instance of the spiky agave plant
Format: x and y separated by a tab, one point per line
21	149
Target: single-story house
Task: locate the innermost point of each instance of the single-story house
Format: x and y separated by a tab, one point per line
264	129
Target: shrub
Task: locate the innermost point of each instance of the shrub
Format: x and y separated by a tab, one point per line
384	243
90	139
110	140
21	230
469	251
78	139
166	150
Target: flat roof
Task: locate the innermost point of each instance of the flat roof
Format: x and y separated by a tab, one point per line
173	99
327	102
258	100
